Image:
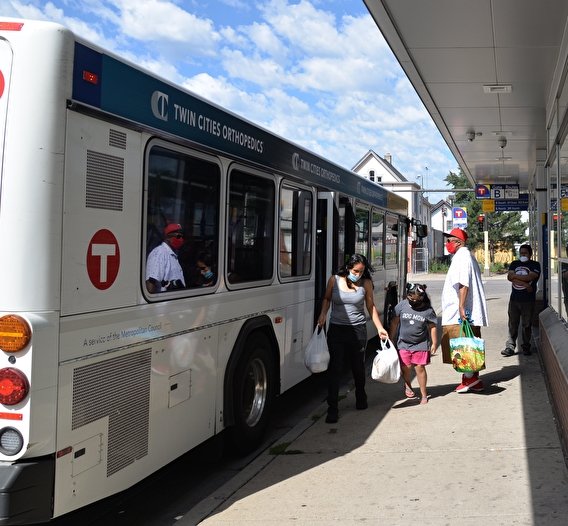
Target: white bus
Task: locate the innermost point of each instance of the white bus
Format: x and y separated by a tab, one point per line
103	382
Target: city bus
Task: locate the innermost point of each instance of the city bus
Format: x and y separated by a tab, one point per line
103	380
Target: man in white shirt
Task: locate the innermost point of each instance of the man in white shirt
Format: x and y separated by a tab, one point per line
463	294
163	271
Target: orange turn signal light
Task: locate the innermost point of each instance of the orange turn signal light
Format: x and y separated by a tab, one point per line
15	333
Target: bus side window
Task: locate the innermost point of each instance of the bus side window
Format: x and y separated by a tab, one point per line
183	189
391	242
250	228
377	232
362	232
295	232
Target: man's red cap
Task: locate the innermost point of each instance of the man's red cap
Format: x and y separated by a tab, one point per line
457	232
172	227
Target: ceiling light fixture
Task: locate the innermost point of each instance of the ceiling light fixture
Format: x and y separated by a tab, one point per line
497	88
470	136
498	133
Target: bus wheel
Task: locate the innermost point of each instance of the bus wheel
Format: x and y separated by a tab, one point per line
253	393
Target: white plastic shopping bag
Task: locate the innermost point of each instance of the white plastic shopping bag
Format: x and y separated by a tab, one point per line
316	356
386	365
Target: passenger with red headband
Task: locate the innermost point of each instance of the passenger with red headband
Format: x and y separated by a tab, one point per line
163	271
463	298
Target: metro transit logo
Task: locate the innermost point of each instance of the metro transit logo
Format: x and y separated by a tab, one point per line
159	105
483	191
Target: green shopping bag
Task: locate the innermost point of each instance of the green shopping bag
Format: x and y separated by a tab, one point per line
467	352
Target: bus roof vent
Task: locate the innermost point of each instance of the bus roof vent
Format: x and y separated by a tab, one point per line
117	139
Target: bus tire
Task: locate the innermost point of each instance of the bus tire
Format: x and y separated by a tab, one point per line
254	386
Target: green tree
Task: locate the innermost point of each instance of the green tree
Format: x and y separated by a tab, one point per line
505	228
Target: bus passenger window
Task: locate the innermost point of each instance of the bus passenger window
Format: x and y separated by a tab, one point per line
377	231
391	241
295	232
362	232
182	190
250	228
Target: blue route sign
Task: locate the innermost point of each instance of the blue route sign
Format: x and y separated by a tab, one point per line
512	205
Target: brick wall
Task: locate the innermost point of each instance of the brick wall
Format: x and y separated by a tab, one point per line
554	355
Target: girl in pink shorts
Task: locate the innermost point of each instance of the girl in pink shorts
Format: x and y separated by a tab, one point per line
416	322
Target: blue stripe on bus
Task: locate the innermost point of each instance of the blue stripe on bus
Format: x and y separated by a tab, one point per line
87	59
138	96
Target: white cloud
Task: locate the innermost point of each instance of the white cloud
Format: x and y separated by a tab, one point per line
156	20
316	73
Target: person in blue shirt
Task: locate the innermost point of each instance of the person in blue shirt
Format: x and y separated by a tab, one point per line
523	275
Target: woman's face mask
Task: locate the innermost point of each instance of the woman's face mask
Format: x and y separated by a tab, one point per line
353	277
523	259
208	274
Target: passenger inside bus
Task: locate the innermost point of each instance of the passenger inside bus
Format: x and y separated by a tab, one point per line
207	269
163	271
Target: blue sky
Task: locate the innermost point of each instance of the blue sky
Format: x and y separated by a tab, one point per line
318	73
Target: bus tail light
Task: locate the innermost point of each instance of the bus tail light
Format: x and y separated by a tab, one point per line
11	441
11	26
14	386
15	333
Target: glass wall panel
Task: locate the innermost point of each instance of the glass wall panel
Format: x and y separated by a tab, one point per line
553	225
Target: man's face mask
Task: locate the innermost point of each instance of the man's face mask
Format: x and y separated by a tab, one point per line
176	241
451	247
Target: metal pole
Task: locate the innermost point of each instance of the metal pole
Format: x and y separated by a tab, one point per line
486	271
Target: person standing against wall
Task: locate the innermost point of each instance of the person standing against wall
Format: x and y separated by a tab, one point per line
523	275
463	297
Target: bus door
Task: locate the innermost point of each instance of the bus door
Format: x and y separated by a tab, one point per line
324	247
403	253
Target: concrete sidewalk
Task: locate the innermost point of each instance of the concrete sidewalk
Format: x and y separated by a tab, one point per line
462	459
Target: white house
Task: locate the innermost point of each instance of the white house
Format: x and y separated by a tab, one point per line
441	218
441	221
381	171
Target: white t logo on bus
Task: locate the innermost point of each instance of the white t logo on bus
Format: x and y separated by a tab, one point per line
103	251
103	259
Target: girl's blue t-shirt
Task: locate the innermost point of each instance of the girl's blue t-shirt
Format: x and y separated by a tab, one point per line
414	333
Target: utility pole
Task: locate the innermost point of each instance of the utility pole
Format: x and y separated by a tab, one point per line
486	270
